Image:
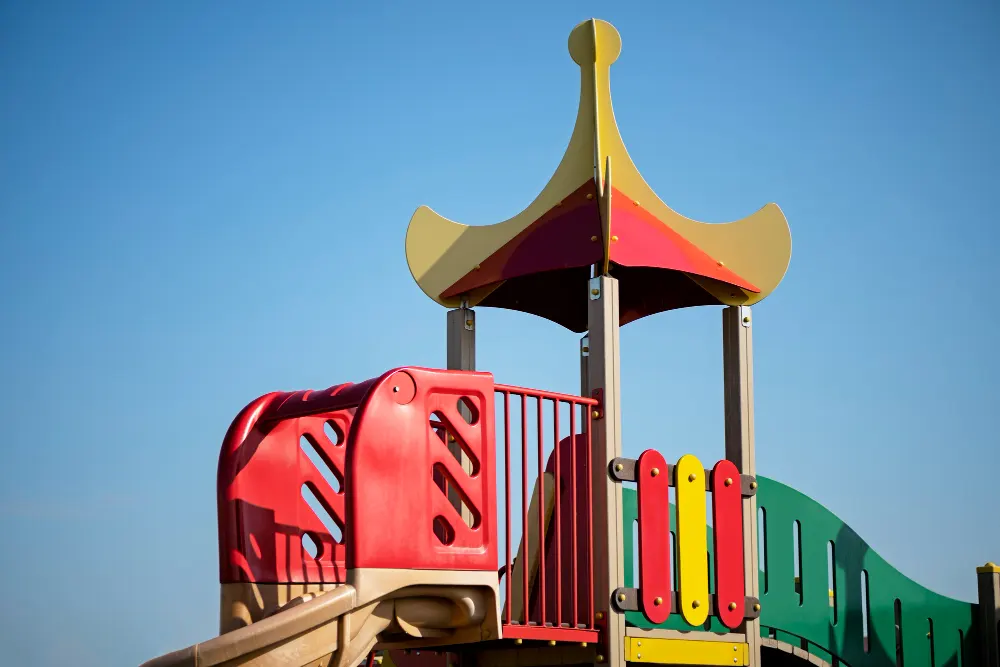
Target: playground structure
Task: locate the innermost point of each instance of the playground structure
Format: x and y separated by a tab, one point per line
437	518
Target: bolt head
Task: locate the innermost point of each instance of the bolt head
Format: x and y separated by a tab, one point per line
638	655
595	291
583	644
600	658
654	472
518	641
729	481
595	414
692	477
599	615
695	604
614	238
657	602
753	485
635	203
619	467
621	597
552	642
593	238
732	607
746	319
756	607
590	196
468	323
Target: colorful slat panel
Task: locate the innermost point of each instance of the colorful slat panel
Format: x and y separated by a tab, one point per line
692	541
727	532
653	488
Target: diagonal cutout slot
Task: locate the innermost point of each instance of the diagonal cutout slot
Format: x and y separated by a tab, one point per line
464	508
323	464
458	447
323	513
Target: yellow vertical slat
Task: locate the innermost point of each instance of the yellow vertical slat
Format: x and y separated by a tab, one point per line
692	544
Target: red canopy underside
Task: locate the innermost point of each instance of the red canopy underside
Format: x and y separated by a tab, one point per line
544	269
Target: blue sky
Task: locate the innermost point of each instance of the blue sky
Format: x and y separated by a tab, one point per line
202	202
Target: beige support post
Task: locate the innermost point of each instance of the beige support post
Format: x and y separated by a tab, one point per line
603	377
989	613
461	357
737	361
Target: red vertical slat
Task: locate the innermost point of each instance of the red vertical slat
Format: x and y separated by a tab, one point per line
653	490
727	531
524	504
590	521
506	477
541	512
558	512
573	511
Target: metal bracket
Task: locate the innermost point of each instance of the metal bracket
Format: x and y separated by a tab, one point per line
595	288
745	318
598	395
585	346
623	470
627	599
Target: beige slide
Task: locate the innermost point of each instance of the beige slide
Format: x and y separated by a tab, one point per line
339	628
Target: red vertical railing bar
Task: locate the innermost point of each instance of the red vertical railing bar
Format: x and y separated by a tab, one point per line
524	503
541	511
590	521
506	477
572	499
558	513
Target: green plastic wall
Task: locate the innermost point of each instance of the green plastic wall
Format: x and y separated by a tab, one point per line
793	611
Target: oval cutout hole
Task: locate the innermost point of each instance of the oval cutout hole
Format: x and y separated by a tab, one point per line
467	408
310	545
333	434
443	530
325	467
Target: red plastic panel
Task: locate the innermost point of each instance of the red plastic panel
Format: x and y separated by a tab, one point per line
653	491
727	529
393	453
262	469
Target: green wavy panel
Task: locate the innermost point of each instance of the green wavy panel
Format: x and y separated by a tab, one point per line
802	608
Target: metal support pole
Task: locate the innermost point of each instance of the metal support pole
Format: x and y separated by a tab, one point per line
989	613
604	381
737	361
461	357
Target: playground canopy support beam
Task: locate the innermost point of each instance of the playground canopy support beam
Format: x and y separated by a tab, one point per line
737	361
989	612
461	357
602	363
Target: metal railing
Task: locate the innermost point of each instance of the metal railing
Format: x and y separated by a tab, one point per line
555	589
